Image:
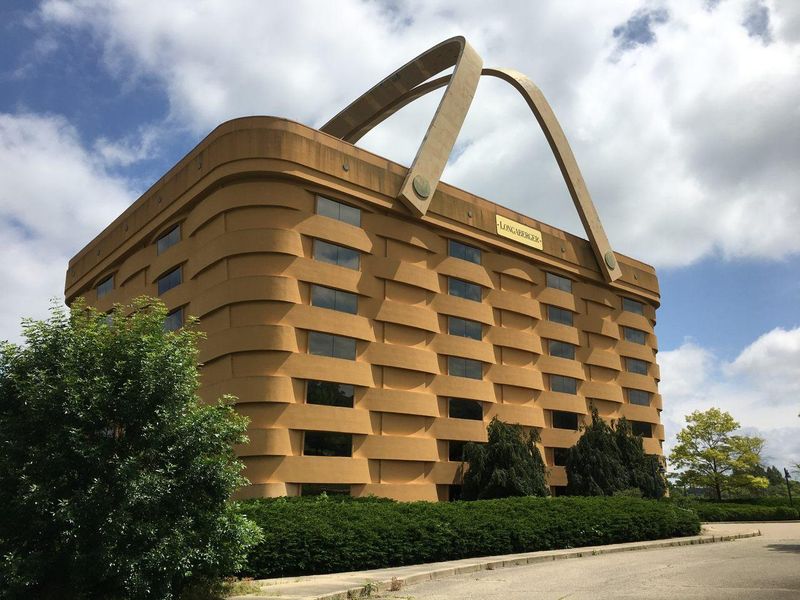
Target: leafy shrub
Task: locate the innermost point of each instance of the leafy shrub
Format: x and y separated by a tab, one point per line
114	478
737	511
764	501
307	535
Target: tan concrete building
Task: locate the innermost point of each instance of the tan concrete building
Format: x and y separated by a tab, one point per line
368	340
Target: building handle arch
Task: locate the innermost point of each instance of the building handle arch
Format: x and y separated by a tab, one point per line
410	83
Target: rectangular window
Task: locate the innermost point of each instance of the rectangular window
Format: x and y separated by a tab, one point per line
463	289
455	450
336	210
336	346
464	367
632	306
329	393
640	397
465	409
464	252
561	349
464	328
172	237
559	315
329	489
326	297
559	282
565	420
104	287
170	280
565	385
327	443
634	365
560	457
336	255
174	320
637	336
641	428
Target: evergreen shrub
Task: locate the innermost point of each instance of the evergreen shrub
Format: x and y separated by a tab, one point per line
325	535
737	511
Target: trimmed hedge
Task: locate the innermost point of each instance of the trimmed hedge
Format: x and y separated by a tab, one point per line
765	501
734	511
326	535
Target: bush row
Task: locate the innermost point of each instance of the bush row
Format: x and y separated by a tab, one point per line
730	511
765	501
323	535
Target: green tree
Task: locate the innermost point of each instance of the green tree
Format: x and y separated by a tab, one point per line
115	478
509	464
609	459
709	455
775	476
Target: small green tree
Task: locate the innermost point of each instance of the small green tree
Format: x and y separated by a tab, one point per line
609	459
114	478
709	455
509	464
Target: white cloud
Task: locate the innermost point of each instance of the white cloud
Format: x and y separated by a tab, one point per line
687	130
54	198
760	388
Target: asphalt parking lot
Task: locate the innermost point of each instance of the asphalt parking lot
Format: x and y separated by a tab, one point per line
763	568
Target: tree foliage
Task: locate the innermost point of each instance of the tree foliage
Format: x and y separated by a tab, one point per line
709	455
609	459
510	464
114	478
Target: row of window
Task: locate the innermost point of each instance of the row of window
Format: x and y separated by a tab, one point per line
338	346
347	257
334	443
329	393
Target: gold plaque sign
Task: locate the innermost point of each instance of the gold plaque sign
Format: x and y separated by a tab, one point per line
519	232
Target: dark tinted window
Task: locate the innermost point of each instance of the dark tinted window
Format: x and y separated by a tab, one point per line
464	367
327	443
465	409
463	289
453	492
641	428
464	328
464	252
559	282
326	297
337	210
637	336
329	489
455	450
329	393
326	344
565	420
565	385
104	287
632	306
559	315
560	456
561	349
639	397
336	255
172	237
634	365
169	281
174	320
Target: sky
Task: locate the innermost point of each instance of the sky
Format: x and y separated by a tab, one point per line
684	117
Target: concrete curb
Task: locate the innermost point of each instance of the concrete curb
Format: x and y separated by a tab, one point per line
474	565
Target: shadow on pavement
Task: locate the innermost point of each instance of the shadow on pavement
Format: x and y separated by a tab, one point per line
784	548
